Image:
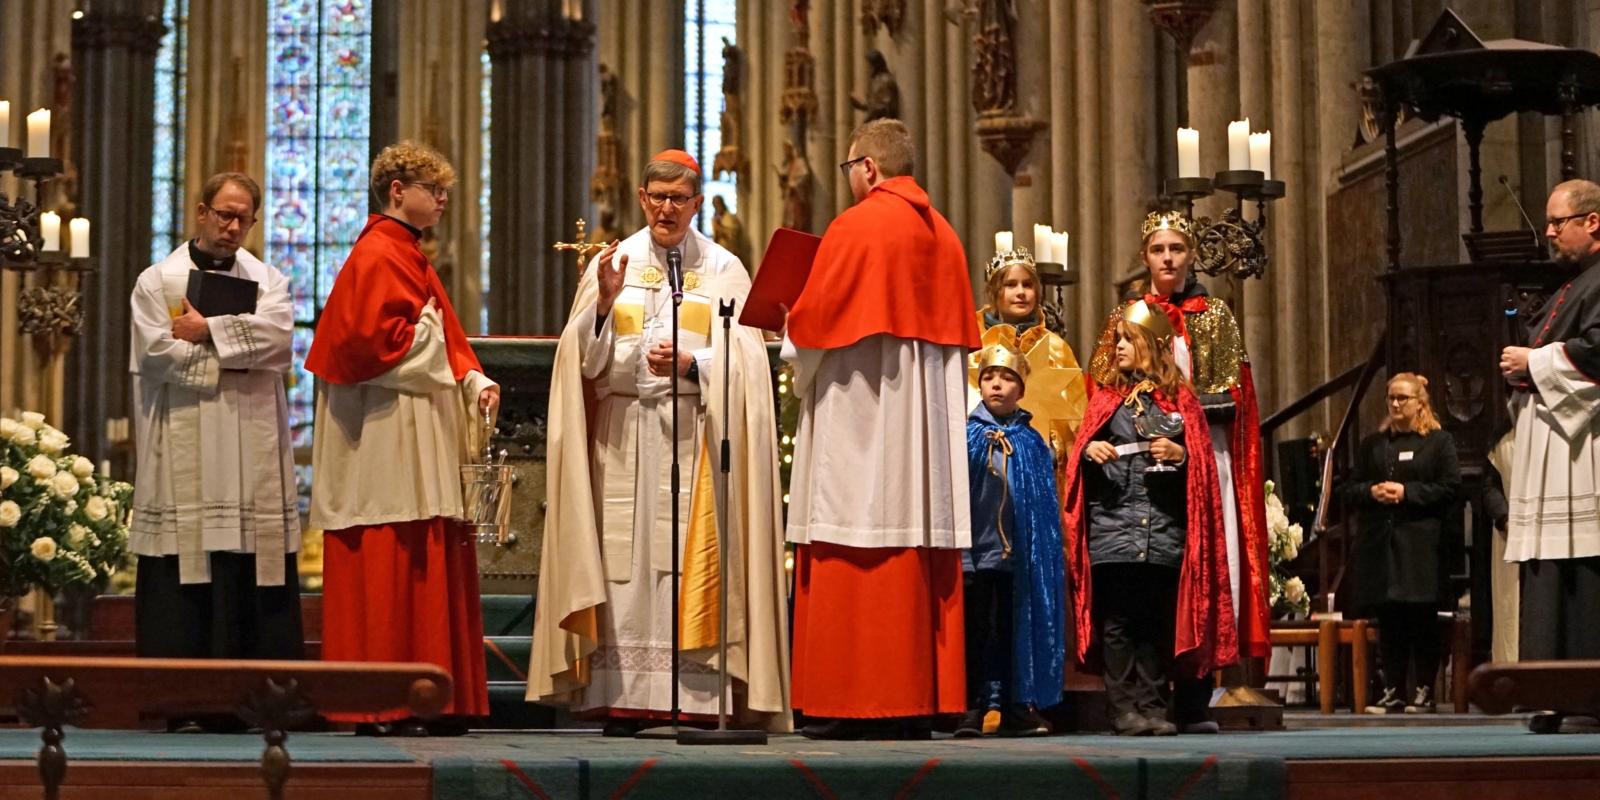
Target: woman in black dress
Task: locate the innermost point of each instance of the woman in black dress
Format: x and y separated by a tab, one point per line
1403	492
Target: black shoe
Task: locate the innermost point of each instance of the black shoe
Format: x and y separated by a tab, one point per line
1199	726
1389	703
1423	702
1132	723
374	729
186	725
910	729
447	726
410	727
971	725
1022	722
621	728
837	730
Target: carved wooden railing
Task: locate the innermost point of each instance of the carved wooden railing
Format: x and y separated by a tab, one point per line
275	696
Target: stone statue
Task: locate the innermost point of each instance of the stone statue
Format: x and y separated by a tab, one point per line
886	13
994	71
794	175
608	97
730	155
883	91
605	185
727	230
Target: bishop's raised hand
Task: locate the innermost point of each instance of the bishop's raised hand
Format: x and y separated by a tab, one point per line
610	276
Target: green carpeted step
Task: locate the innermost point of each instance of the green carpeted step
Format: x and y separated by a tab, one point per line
507	657
509	708
501	613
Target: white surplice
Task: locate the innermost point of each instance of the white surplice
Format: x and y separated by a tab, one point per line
215	465
1553	488
880	456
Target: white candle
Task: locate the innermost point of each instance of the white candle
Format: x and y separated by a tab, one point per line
1239	144
1058	247
1188	153
39	134
5	123
50	229
1002	241
1041	242
1261	153
79	228
105	467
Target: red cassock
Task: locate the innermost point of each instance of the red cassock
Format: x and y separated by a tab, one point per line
407	590
878	631
1205	637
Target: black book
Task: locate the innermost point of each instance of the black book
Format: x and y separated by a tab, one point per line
216	294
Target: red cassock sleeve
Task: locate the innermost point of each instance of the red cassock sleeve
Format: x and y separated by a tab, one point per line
890	264
370	318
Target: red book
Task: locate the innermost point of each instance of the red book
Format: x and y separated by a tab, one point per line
780	279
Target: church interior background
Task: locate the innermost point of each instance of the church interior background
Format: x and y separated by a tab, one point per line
1026	113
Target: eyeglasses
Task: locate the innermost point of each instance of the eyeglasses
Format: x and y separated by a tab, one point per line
227	218
1400	399
1559	222
844	166
660	200
438	192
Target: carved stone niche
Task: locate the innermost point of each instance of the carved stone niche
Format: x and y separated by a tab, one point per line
1007	137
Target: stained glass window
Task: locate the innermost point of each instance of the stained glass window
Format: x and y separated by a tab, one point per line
706	24
485	100
172	73
318	119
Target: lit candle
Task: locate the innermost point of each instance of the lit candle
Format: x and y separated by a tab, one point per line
1058	247
1041	242
1239	144
1002	241
1261	153
39	134
50	229
79	229
1188	153
5	123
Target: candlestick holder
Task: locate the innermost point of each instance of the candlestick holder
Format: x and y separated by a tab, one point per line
50	310
1232	244
1055	276
1188	190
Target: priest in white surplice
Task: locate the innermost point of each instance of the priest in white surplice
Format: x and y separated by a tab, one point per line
1553	488
602	640
215	522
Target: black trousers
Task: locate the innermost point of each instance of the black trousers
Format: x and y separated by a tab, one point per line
987	605
1560	615
1135	613
230	617
1408	638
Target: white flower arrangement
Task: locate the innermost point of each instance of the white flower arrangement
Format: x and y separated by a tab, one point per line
1287	593
59	526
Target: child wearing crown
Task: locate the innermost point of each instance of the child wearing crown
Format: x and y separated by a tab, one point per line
1013	571
1143	531
1015	314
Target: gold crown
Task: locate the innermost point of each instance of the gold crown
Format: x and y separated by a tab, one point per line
1150	318
1167	220
1002	349
1010	258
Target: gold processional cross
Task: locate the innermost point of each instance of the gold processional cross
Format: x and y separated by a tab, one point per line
582	247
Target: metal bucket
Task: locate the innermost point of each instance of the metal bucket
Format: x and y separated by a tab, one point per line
486	492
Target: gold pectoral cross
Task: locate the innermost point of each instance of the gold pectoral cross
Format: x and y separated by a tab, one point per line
581	245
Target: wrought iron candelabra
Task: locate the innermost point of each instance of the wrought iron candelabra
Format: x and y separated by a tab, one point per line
44	310
1231	245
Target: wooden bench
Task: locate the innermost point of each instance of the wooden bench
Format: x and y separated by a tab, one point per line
1328	636
53	692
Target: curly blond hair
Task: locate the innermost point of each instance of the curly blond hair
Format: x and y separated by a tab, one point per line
409	162
1425	422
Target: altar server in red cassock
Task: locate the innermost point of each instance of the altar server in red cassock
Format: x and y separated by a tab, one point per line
403	403
879	507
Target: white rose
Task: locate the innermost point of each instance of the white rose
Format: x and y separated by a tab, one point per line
77	535
8	427
41	467
1276	519
10	514
44	548
95	508
1296	535
1294	590
82	467
8	476
23	435
64	486
33	419
54	442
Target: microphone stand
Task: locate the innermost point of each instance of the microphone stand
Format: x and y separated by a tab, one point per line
722	735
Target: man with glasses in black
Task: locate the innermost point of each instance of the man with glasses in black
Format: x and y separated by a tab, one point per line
1553	486
602	641
215	517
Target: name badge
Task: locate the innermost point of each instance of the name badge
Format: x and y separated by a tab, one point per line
1406	455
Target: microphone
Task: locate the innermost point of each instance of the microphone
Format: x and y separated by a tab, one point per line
1539	241
675	273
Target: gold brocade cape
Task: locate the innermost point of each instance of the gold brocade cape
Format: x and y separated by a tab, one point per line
1055	393
1216	350
572	570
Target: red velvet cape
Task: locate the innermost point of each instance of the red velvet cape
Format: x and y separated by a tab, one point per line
889	264
371	316
1205	638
